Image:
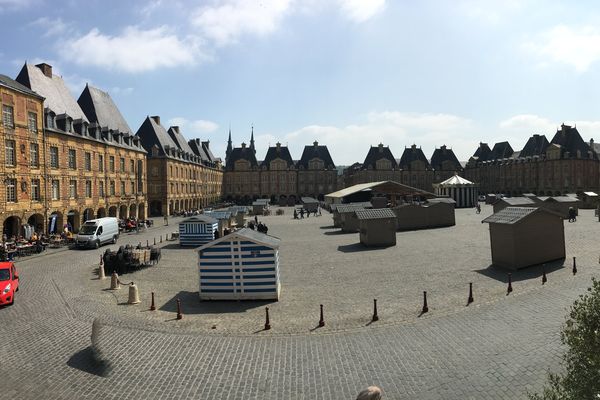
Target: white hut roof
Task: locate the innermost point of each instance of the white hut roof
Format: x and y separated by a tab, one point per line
456	180
246	234
590	194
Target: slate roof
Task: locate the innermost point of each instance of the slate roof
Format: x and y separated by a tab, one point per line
410	154
14	85
375	213
99	107
500	151
200	218
275	152
536	146
377	153
177	137
151	133
316	151
483	152
363	204
209	154
443	154
510	215
57	96
241	153
196	146
569	139
345	208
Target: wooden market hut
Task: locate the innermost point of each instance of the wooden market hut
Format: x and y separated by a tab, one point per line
524	236
243	265
259	206
561	205
377	227
240	213
347	217
197	230
501	204
435	214
310	204
463	191
588	200
337	217
226	219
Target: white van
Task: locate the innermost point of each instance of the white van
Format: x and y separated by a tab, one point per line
96	232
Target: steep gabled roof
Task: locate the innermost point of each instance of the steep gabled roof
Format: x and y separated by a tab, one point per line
413	153
177	137
444	154
99	107
483	152
57	96
275	152
152	133
377	153
14	85
209	154
514	215
535	146
569	139
196	146
500	151
316	151
241	153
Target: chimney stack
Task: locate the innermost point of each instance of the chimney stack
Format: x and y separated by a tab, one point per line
46	69
156	119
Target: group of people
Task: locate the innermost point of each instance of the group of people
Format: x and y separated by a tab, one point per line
300	214
36	243
259	226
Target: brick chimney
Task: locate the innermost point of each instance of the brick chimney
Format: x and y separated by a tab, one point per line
156	119
46	69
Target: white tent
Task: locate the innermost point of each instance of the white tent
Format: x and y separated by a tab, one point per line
463	191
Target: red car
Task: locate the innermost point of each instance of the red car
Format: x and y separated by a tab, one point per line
9	283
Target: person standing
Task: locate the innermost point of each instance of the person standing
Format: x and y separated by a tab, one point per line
166	220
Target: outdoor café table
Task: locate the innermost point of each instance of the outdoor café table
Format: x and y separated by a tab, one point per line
56	242
25	249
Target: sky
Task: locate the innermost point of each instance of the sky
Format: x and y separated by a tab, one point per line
347	73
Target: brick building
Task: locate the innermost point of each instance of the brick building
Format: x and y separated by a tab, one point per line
182	175
412	169
278	177
84	169
566	164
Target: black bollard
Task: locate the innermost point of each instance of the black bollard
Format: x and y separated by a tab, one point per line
152	306
509	289
155	241
267	322
161	238
544	279
470	299
425	307
147	243
321	320
574	266
375	316
179	315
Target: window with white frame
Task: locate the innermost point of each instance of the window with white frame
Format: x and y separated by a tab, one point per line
54	157
132	187
122	164
11	154
35	190
112	188
72	188
88	189
32	122
34	155
100	163
101	189
88	161
8	118
55	189
122	188
111	164
11	190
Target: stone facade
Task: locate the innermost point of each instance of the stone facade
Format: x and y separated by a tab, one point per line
278	176
182	175
567	164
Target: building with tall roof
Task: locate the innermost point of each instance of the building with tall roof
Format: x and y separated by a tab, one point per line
566	164
91	164
278	177
182	175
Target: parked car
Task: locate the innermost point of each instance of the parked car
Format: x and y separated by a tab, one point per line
96	232
9	283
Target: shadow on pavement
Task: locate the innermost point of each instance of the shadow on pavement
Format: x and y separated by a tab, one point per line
85	360
535	271
191	304
356	247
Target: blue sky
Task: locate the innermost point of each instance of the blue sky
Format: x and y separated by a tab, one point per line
348	73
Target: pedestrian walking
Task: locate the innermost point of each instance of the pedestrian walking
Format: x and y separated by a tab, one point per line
166	220
301	213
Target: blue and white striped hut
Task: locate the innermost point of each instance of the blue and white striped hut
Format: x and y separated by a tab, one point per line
243	265
197	230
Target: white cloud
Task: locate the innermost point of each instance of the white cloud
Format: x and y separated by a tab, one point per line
578	48
191	128
524	125
120	90
12	5
135	50
52	27
350	143
361	10
225	22
490	12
